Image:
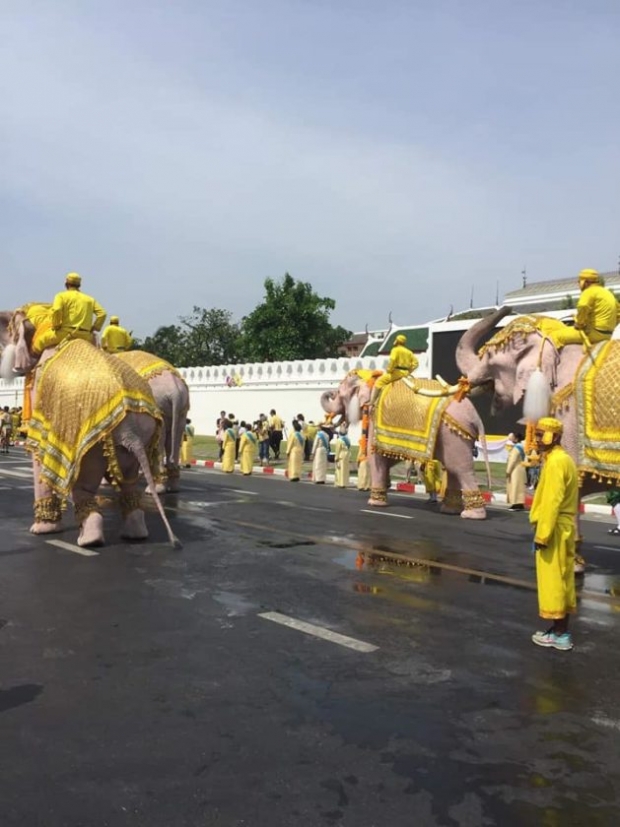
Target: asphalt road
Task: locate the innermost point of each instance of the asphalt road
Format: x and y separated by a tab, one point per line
146	686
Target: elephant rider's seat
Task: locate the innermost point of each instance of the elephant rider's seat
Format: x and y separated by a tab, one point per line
406	424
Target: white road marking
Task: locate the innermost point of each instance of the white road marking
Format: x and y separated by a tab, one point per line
24	487
242	491
23	475
609	548
319	631
85	552
606	722
385	513
5	487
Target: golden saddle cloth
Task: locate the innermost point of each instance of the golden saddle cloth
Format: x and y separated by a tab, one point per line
81	395
597	394
406	424
146	364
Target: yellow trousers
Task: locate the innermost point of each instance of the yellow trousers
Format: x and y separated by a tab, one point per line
388	377
555	572
51	338
572	336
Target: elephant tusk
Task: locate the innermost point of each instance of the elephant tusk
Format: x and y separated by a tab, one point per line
446	390
441	381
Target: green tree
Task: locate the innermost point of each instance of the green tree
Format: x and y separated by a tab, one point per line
167	343
292	322
210	337
568	303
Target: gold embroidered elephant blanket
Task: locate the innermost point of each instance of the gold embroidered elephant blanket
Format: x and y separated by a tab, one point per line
406	424
81	395
146	364
597	393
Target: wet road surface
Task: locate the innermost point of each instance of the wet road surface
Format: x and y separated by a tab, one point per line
289	667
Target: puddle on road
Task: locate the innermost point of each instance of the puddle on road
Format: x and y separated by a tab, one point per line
235	604
18	695
292	543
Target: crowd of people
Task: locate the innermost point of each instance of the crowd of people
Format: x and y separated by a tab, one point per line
305	441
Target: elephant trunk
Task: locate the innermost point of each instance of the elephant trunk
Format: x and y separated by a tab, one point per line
466	356
332	403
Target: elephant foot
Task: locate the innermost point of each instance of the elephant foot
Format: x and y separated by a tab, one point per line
449	509
91	531
134	526
45	528
160	488
377	503
474	514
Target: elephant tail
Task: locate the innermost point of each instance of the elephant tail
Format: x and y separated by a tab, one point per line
138	451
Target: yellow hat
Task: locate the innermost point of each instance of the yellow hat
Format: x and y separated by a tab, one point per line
73	279
400	339
589	275
114	320
550	427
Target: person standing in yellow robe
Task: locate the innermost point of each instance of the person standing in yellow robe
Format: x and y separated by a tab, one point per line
553	514
432	478
402	362
295	452
363	474
248	446
516	477
320	451
596	317
74	315
115	339
342	453
229	443
187	446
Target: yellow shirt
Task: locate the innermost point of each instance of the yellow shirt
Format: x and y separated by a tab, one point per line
557	494
73	310
115	338
275	423
401	358
311	432
597	309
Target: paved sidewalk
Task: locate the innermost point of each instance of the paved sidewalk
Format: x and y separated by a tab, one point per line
495	497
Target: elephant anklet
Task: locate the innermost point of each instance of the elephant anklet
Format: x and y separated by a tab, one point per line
48	510
130	501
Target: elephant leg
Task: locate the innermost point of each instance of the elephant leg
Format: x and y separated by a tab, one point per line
47	506
455	453
134	524
452	502
379	480
87	512
173	478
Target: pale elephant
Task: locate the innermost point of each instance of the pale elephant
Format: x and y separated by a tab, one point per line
172	397
120	442
506	364
454	448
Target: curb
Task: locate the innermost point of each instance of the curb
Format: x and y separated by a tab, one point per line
496	498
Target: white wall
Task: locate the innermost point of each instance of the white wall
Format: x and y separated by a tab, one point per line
289	387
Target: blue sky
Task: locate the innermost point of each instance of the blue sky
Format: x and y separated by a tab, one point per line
391	153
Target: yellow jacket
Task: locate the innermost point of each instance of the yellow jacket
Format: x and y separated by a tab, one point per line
402	359
73	310
557	495
597	309
115	338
